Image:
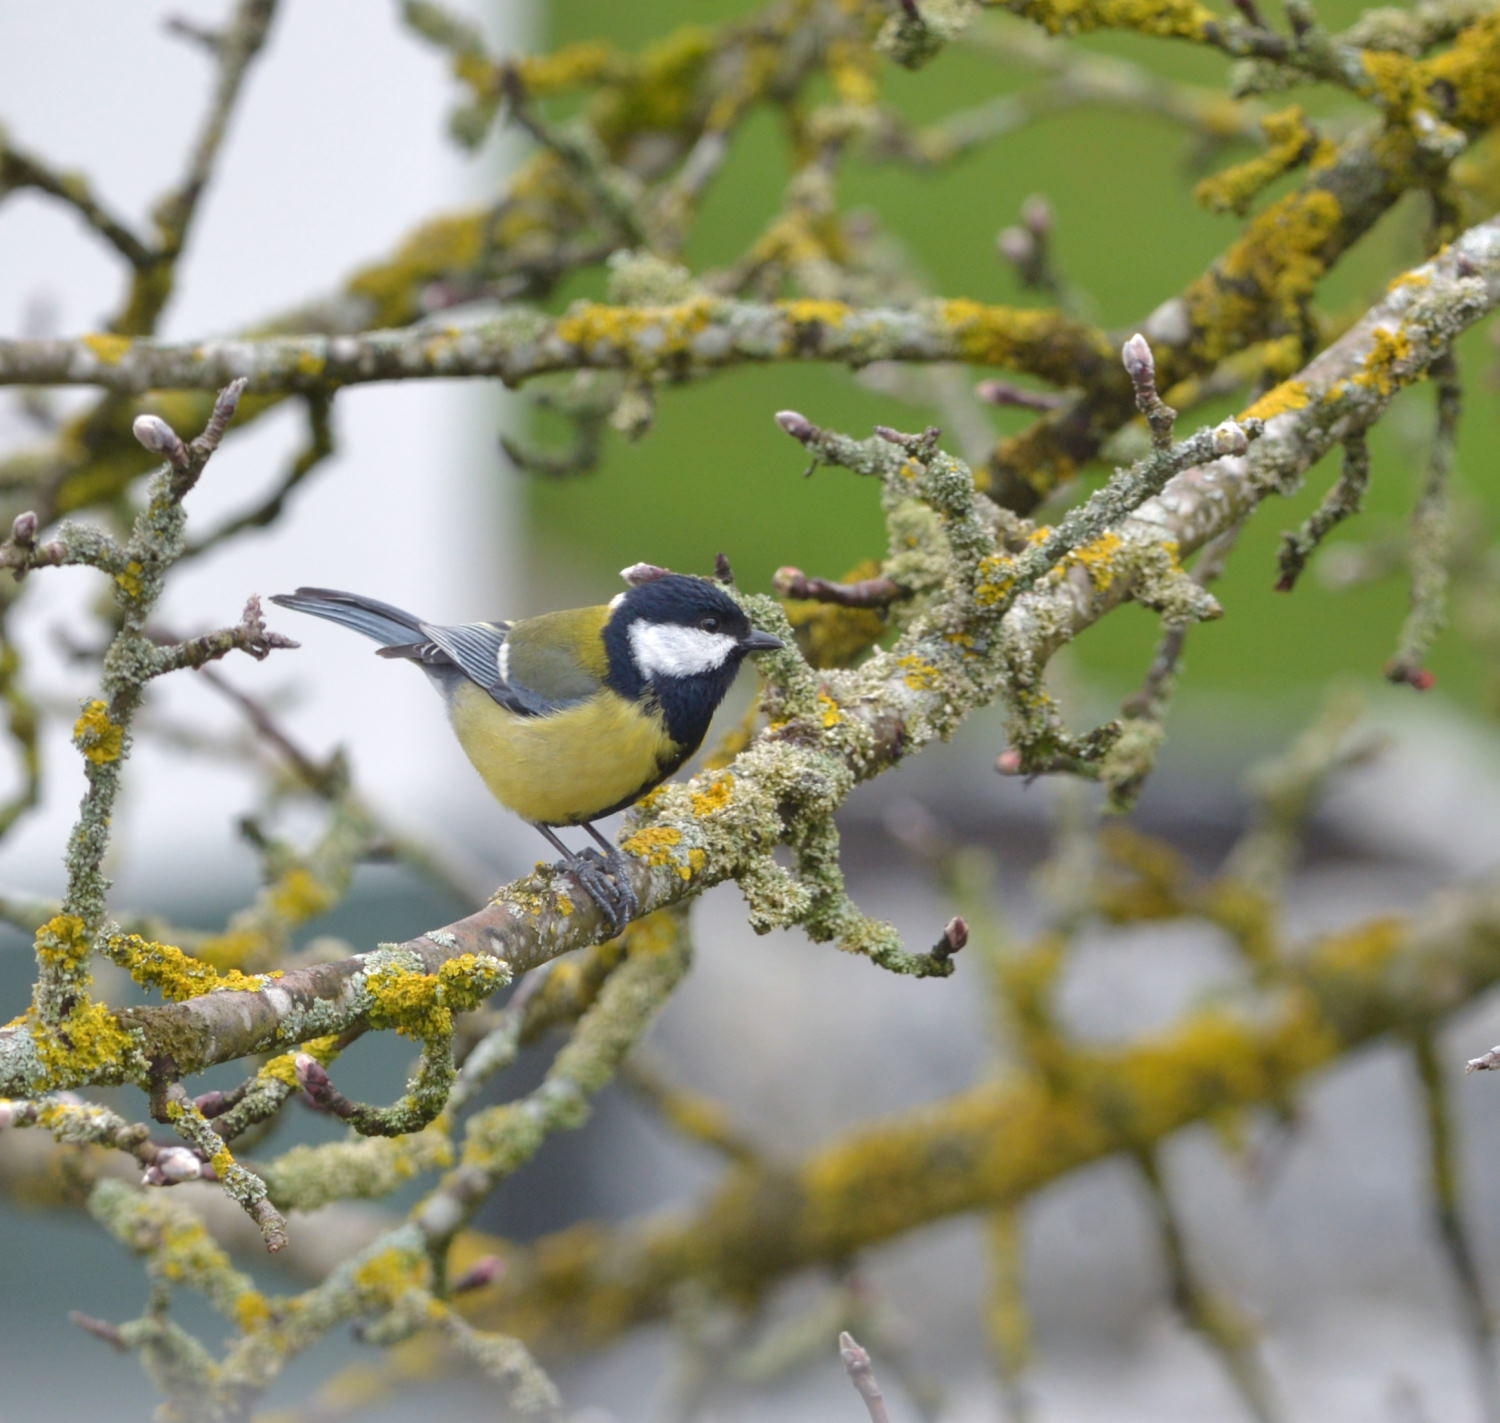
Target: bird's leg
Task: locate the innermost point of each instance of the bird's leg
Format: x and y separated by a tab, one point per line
618	867
603	877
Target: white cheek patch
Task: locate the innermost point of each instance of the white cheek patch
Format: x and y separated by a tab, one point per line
670	650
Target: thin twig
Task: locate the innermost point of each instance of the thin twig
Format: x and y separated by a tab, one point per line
867	593
1431	537
857	1365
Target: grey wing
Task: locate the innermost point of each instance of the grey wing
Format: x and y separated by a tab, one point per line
480	653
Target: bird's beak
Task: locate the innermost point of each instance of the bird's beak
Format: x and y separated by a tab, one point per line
759	641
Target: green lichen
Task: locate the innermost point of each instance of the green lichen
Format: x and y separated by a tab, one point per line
309	1177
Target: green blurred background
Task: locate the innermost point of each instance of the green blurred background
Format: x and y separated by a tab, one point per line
715	473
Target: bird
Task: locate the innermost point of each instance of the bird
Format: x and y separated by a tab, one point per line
570	716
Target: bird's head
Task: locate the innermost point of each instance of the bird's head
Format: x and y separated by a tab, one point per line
681	639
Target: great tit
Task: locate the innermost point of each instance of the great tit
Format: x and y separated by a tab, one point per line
570	716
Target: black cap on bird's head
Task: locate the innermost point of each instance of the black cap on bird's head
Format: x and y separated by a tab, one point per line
682	638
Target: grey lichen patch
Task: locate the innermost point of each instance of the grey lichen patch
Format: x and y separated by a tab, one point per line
306	1178
645	279
913	36
918	559
775	898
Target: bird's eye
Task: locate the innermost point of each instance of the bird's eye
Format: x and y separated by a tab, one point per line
709	624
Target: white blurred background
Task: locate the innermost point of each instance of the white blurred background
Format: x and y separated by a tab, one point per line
337	150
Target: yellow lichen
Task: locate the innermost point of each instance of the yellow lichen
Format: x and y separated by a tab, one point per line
791	241
88	1045
1467	76
252	1310
663	91
284	1066
99	738
390	1274
1177	19
713	797
1364	950
571	67
834	636
1391	78
920	676
1096	559
447	247
1270	270
62	939
1031	339
1283	251
1289	141
188	1253
297	896
851	68
108	348
657	933
421	1005
809	312
624	330
654	844
176	974
128	579
1243	911
1289	395
653	797
1389	350
1409	279
993	580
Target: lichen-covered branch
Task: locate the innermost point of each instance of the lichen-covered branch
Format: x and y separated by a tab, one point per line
830	734
962	609
688	338
1001	1141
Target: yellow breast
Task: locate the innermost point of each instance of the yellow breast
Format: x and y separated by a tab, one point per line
565	768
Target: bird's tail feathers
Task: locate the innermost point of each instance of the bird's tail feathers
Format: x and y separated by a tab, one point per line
388	625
